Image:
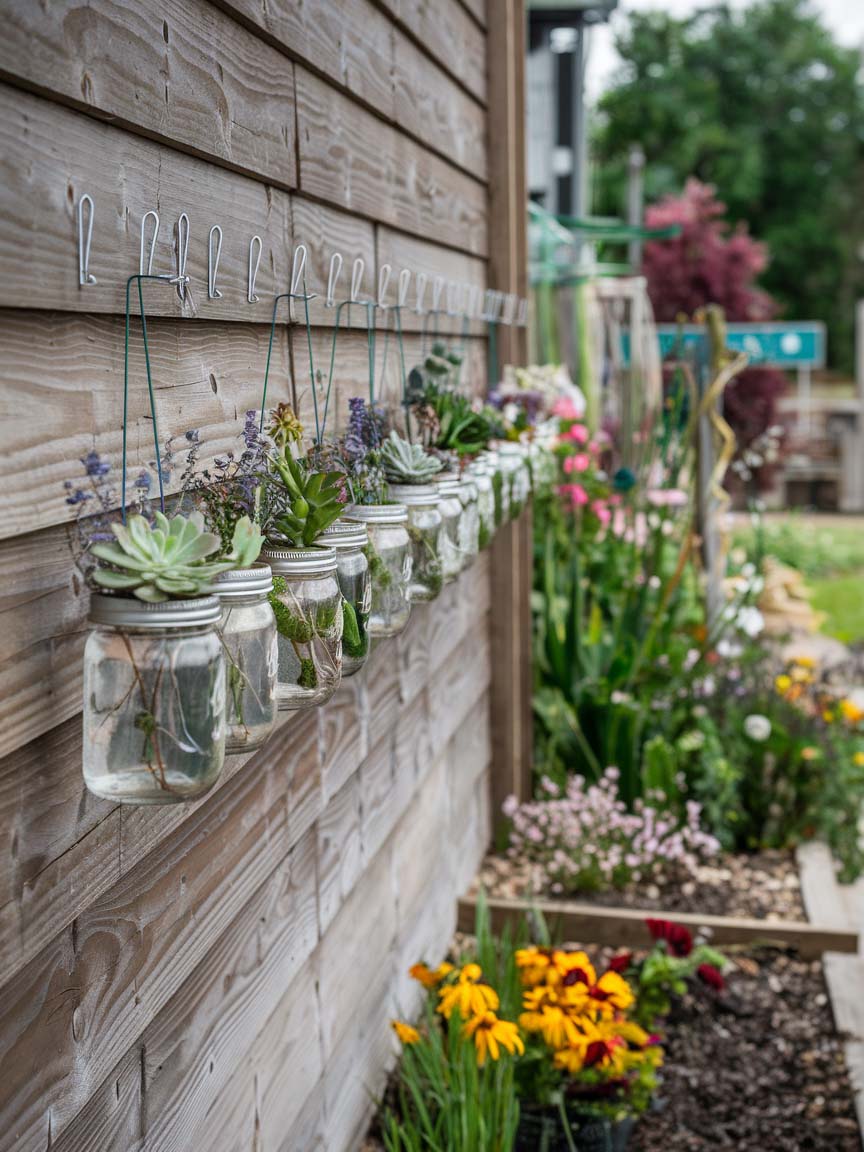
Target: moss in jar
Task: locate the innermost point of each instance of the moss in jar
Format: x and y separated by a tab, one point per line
427	567
498	493
484	535
381	574
295	628
355	641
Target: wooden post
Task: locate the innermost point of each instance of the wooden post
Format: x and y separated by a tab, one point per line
508	272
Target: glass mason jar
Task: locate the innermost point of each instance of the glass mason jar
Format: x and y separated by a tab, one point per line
517	478
248	631
154	699
349	540
390	562
424	528
308	607
469	525
500	488
485	504
450	507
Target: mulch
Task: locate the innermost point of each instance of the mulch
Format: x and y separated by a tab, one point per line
758	1068
758	886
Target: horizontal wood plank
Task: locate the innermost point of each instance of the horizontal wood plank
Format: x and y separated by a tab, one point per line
352	160
450	35
625	927
179	73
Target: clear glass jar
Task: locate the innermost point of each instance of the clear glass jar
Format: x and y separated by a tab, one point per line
469	525
248	631
349	540
390	562
517	478
308	607
451	516
424	528
485	504
154	699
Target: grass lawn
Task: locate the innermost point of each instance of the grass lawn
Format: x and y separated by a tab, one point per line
841	598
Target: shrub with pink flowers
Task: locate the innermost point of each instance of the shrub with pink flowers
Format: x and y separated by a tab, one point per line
584	838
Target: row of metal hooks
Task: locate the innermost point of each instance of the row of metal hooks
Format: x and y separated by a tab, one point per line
450	298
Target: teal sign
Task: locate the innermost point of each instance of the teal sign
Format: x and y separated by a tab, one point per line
800	345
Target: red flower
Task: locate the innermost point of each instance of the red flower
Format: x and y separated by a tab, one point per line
679	939
711	976
621	962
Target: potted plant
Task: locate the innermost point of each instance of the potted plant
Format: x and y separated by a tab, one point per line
154	665
301	502
410	473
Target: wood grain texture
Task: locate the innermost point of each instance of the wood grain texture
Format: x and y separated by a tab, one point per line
449	34
184	74
50	155
352	160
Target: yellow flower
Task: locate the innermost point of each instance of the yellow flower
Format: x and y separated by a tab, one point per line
810	753
406	1034
533	964
852	714
827	715
469	995
801	675
490	1035
803	661
612	992
545	1012
783	684
858	759
284	425
427	977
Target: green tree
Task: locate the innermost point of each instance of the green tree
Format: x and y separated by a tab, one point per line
766	106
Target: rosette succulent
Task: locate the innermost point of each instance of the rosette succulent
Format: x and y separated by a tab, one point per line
171	560
406	463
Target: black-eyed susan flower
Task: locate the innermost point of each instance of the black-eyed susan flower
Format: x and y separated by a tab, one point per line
851	713
533	964
469	994
490	1035
429	977
612	993
545	1014
406	1033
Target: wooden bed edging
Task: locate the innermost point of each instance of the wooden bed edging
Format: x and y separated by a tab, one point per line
625	927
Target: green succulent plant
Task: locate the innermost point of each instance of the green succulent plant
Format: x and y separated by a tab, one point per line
406	463
315	500
173	560
245	543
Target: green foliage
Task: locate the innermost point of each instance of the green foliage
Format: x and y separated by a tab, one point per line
763	103
172	560
246	543
313	500
814	548
406	463
450	423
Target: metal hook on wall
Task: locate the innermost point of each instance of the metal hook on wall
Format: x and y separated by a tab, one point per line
510	304
298	276
213	258
333	279
84	274
357	278
383	284
404	284
421	280
144	219
437	289
182	253
452	297
254	263
522	318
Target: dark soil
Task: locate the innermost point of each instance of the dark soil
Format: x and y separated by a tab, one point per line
759	886
758	1069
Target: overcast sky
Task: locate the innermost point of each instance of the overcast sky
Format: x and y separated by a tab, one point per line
845	17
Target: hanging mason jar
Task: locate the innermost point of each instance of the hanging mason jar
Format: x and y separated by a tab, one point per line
516	476
424	528
485	504
248	631
154	699
500	488
450	507
469	525
308	607
349	540
389	555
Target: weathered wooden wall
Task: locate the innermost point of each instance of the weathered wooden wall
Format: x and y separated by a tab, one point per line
220	975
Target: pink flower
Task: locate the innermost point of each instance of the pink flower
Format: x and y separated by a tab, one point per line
565	409
601	512
667	497
575	493
578	463
579	433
